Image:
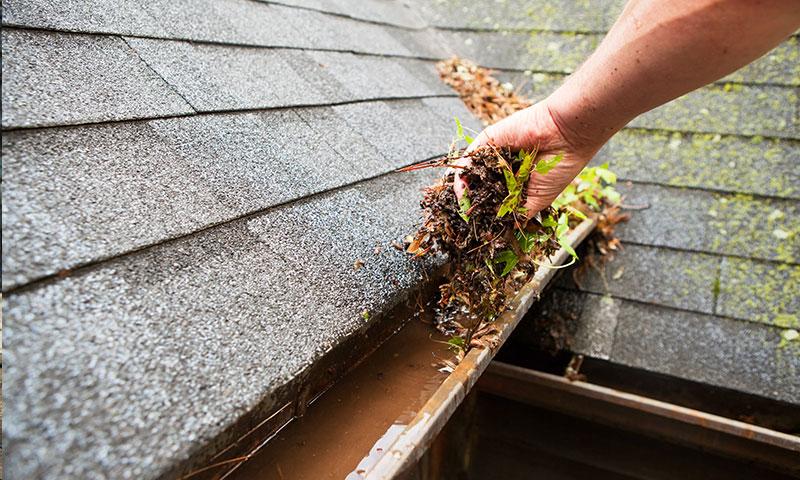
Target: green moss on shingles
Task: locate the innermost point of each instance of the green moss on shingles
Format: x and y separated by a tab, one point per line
780	66
748	227
760	291
559	52
722	162
752	110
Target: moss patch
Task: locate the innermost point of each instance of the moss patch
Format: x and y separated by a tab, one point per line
760	291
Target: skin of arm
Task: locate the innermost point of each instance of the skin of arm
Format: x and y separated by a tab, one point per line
656	51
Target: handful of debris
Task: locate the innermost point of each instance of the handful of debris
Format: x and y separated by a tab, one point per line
493	247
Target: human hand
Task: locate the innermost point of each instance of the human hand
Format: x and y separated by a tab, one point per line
537	126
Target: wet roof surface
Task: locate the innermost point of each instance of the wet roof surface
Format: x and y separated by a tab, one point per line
186	189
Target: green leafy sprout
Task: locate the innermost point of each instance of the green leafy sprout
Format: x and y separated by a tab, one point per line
456	343
464	204
460	132
509	259
594	184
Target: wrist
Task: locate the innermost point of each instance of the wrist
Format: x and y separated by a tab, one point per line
585	113
575	124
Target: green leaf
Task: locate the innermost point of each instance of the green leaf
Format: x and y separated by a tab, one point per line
464	204
549	221
566	246
566	197
590	200
545	165
511	201
460	135
607	175
509	258
525	240
576	213
457	342
528	240
563	225
612	195
511	181
526	163
508	205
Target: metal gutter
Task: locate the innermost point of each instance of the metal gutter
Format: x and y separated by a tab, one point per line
686	426
411	442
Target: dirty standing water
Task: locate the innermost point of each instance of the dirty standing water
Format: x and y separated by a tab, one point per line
347	428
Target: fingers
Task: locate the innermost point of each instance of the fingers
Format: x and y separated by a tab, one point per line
543	189
459	184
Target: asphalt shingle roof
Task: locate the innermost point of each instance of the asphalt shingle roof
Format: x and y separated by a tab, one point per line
187	185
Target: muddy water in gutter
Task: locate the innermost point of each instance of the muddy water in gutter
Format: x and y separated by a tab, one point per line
347	428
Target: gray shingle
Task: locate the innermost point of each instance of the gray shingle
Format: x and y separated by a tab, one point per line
234	21
403	130
760	291
371	77
728	353
738	225
562	15
242	22
543	51
72	196
720	162
394	13
101	16
425	72
175	343
321	31
56	79
678	279
740	110
228	21
594	335
427	43
214	77
448	108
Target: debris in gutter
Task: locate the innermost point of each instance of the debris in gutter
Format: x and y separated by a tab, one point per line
491	101
484	95
493	248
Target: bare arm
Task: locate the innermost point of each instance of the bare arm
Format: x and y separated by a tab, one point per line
656	51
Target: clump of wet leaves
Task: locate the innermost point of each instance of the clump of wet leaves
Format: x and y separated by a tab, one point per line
494	249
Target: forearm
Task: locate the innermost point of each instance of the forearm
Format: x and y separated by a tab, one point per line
658	50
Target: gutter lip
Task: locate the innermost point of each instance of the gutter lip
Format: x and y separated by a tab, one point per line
650	406
418	435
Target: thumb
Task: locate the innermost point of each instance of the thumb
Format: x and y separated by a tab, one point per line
483	138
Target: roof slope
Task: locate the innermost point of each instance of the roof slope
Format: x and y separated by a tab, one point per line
184	197
710	272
